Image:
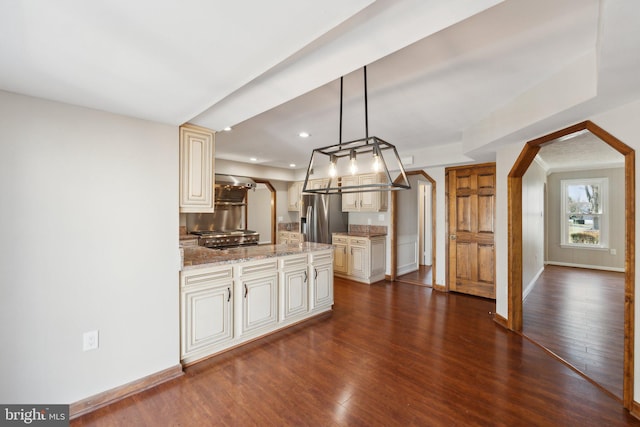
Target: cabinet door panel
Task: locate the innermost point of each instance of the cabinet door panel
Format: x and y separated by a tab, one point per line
340	259
369	199
207	317
196	169
294	299
322	285
259	302
350	201
358	265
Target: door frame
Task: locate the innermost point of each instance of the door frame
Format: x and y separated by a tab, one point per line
394	226
422	224
514	226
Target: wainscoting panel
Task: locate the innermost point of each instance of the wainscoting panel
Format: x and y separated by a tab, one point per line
407	254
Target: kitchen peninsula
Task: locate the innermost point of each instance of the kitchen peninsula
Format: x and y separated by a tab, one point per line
232	296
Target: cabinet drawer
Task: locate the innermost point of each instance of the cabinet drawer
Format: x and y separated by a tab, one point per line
188	242
263	267
207	277
340	239
359	242
322	257
293	262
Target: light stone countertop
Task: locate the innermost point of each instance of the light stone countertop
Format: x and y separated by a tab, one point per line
201	257
359	234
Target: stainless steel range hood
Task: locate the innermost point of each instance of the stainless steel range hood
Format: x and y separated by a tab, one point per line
232	189
230	198
235	181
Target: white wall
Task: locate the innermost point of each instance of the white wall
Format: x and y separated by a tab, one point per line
533	225
259	212
89	241
407	228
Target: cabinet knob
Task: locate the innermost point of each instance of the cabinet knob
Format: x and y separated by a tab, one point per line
229	297
246	290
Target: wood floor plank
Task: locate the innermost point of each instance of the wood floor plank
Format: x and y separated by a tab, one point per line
390	354
578	314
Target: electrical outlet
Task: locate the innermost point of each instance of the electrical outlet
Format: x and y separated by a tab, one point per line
612	251
90	340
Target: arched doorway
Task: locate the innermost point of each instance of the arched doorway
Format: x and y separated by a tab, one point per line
395	215
515	291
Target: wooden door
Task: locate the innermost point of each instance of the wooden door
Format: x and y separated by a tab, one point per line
471	203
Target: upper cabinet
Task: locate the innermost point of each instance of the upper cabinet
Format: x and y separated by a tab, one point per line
197	150
369	201
294	195
295	192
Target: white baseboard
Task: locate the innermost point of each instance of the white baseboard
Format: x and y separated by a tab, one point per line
527	290
588	266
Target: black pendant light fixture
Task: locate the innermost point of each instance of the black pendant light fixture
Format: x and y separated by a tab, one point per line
330	167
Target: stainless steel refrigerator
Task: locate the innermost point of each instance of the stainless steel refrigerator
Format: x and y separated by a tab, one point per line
321	215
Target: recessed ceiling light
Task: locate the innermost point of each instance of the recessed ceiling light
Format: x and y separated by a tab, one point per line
253	159
304	134
227	129
292	165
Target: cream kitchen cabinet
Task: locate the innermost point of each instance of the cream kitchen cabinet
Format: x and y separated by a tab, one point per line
363	259
321	278
294	196
340	258
258	284
227	305
315	184
197	150
206	311
285	237
295	192
294	286
369	201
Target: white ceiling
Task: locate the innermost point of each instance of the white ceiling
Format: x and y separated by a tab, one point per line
578	151
271	69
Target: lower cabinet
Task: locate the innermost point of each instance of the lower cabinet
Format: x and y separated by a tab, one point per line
294	287
321	273
340	258
224	306
285	237
362	259
206	310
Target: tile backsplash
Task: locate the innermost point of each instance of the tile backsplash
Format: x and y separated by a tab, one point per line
367	229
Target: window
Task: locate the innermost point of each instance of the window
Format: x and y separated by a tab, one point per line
584	210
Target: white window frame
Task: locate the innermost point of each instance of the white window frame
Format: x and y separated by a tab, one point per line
603	215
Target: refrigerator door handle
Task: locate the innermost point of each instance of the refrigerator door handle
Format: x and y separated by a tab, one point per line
309	224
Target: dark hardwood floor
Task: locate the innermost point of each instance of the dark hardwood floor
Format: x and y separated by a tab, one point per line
578	314
422	276
389	354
